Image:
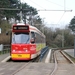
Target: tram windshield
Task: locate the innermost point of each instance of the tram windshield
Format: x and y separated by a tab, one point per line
21	38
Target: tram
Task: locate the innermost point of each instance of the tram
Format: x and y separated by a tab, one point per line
27	42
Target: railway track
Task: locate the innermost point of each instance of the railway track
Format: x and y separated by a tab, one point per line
60	65
22	67
12	67
63	64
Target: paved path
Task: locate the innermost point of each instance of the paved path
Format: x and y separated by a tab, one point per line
3	56
41	68
37	69
29	69
64	67
70	52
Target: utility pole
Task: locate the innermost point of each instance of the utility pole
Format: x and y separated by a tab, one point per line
62	38
74	44
73	29
74	37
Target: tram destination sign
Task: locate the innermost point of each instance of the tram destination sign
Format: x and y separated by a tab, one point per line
21	28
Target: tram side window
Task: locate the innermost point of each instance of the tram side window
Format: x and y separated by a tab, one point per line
38	38
32	34
43	39
32	37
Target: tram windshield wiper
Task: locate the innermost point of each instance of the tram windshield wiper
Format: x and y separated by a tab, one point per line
27	40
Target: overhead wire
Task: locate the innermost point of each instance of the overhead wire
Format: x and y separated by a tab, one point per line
63	13
57	4
36	4
61	18
62	10
44	9
54	3
53	10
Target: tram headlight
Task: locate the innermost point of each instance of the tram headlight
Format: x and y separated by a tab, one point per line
14	50
26	50
15	28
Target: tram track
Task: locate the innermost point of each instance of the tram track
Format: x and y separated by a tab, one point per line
62	62
59	66
20	68
13	67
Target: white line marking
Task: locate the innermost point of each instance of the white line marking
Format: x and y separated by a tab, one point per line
7	58
48	57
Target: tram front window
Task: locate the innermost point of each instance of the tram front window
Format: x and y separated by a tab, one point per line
21	38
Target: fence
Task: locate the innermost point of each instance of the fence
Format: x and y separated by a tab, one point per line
4	49
43	52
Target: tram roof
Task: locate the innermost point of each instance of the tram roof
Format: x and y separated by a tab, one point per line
31	28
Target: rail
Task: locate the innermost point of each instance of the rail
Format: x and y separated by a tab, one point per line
55	65
4	49
43	52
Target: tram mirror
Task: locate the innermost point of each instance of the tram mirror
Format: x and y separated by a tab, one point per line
32	40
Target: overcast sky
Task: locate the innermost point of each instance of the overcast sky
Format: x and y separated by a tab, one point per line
56	18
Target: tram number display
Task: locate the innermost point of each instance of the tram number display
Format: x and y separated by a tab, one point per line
20	28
